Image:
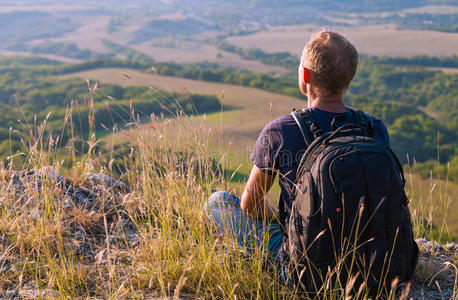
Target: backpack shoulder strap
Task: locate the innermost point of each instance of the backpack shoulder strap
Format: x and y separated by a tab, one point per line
307	125
302	127
363	119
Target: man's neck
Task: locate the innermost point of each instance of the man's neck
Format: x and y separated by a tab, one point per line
330	104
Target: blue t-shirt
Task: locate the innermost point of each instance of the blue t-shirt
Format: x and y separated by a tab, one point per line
280	146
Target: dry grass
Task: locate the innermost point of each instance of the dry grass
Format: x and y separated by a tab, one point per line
373	40
434	202
176	252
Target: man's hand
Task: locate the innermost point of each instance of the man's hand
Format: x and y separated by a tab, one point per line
253	197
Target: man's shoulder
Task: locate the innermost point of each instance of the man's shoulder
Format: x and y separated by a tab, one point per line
280	123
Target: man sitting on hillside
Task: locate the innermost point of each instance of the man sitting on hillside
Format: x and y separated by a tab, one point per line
328	64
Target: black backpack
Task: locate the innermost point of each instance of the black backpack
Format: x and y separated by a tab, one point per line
349	226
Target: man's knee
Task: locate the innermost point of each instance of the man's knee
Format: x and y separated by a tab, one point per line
223	198
217	197
220	201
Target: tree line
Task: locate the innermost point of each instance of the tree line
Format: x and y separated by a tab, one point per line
29	96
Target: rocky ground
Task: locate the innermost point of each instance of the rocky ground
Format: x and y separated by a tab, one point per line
97	194
93	214
436	274
98	198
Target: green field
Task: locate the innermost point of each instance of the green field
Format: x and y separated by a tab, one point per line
249	108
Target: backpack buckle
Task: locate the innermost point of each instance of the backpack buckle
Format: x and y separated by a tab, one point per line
406	204
365	120
315	129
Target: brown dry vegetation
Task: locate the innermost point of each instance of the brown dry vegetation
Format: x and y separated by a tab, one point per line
434	202
372	40
89	35
193	52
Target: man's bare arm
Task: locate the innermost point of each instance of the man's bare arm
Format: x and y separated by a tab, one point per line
253	197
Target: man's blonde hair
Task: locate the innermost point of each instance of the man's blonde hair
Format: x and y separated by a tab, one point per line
333	61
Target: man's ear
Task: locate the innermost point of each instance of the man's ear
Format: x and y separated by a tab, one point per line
306	75
304	79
